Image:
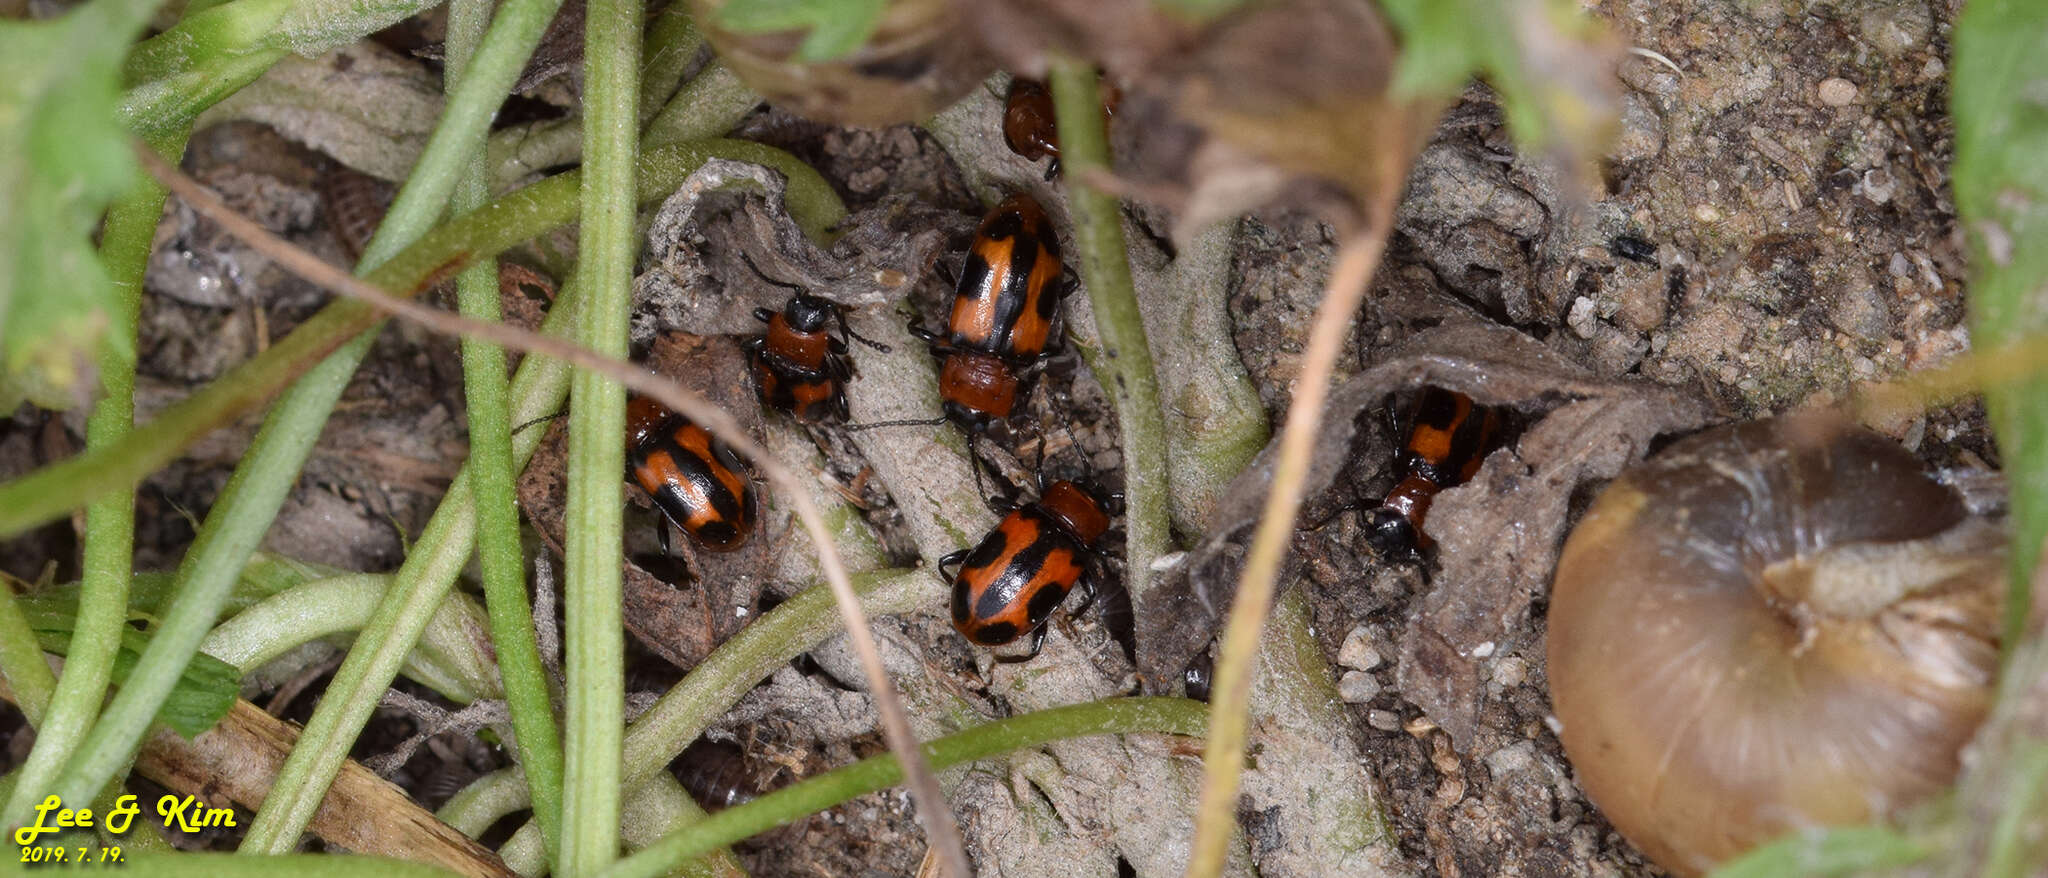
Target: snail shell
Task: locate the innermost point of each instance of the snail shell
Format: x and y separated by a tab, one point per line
1770	627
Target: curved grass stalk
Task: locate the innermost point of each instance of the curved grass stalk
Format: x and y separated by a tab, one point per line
1110	716
342	604
500	556
1125	364
658	736
108	548
594	637
23	666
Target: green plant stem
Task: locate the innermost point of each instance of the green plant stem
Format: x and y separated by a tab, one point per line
416	591
658	807
1111	716
2001	190
55	490
594	639
223	47
109	542
218	32
794	627
706	106
672	44
154	108
23	665
459	135
500	556
148	592
1125	363
342	604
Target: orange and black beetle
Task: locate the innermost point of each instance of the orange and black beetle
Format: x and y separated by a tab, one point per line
1028	125
1030	128
1009	585
1448	437
800	367
697	481
1004	306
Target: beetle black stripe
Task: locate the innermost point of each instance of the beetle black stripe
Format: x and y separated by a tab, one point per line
1437	409
699	472
1041	605
1009	584
1014	295
1468	444
995	634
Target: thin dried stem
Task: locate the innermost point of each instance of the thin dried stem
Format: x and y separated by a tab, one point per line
942	831
1216	818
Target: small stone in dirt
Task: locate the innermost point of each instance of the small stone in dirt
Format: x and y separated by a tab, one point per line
1357	651
1384	720
1511	671
1581	317
1357	687
1878	185
1837	92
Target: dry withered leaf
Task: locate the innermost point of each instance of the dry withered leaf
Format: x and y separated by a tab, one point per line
367	106
1497	536
698	280
1127	37
920	58
680	622
1284	102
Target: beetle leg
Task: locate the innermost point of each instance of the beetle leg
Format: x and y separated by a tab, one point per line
661	534
928	337
1087	588
764	315
1037	643
951	559
846	330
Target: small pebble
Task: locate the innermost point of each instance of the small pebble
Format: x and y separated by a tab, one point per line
1837	92
1581	317
1357	687
1878	185
1384	720
1511	671
1357	651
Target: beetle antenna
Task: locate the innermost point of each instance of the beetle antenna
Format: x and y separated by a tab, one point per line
857	336
919	422
540	420
749	260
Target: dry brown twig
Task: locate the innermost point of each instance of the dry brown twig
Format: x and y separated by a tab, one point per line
942	832
1216	817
